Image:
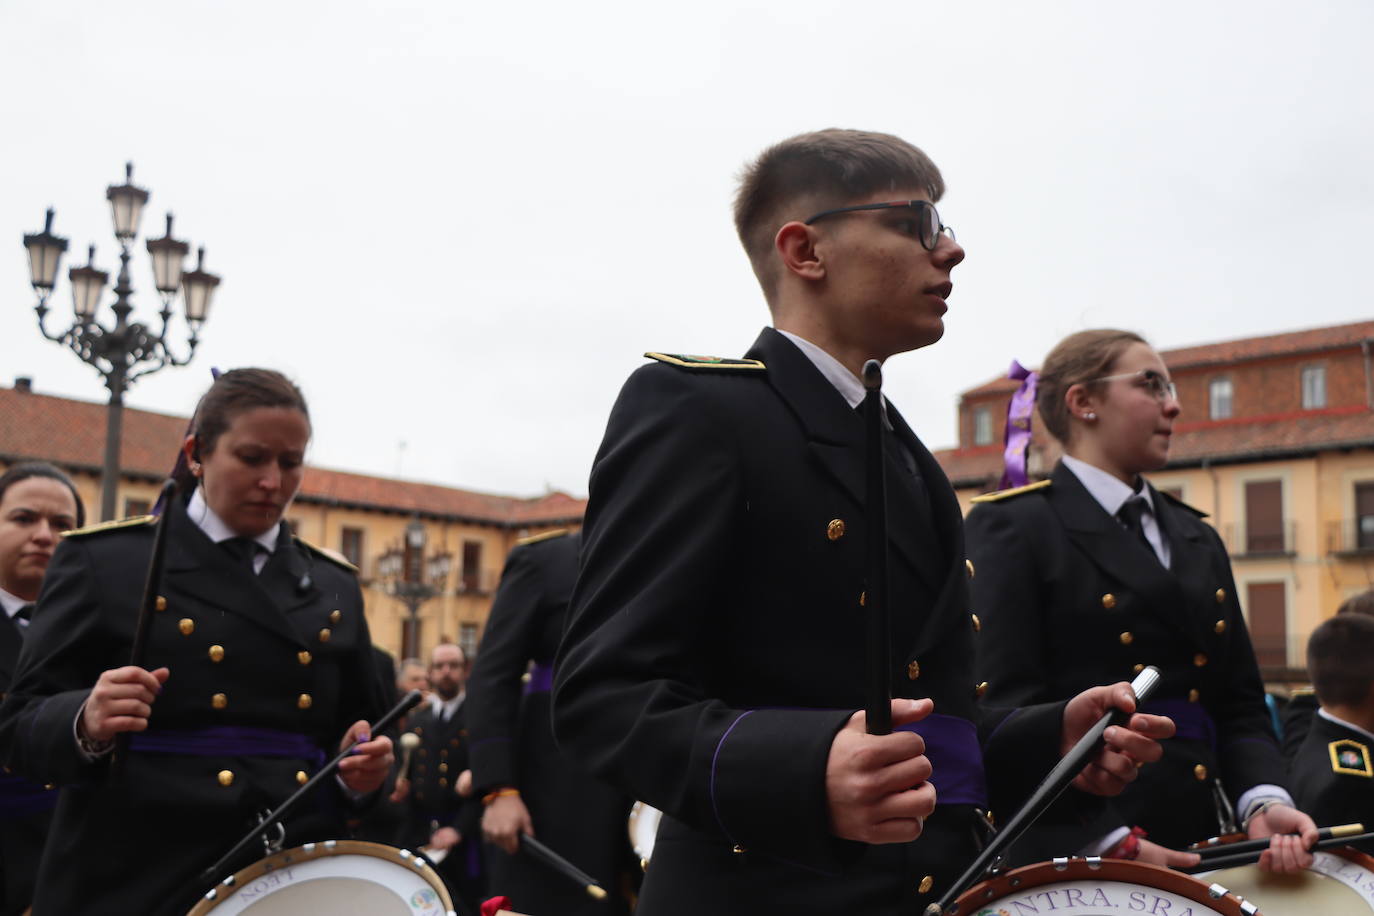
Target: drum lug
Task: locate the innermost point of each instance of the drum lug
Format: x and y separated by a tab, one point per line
271	845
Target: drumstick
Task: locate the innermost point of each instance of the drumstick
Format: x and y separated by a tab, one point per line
877	617
1230	849
146	608
407	703
562	866
1053	786
1216	863
409	742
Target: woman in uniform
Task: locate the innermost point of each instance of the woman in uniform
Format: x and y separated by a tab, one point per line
258	668
1090	575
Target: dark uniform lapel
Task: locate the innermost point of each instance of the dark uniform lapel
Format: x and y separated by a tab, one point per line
11	641
286	576
1187	561
197	566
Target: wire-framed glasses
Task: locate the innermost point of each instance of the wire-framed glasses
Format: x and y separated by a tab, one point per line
929	227
1152	381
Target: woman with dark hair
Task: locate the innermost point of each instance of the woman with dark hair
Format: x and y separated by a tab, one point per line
37	503
258	667
1092	574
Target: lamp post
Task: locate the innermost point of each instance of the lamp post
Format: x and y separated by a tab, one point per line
125	351
412	578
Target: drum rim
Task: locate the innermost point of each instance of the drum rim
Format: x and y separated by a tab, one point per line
323	849
1123	870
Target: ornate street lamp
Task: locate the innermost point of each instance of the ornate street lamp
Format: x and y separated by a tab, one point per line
126	351
408	576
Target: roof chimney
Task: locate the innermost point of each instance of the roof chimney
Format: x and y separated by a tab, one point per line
23	384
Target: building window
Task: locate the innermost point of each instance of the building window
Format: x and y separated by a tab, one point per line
467	640
1219	398
1364	516
351	546
1266	603
1313	387
134	507
1264	516
472	566
982	426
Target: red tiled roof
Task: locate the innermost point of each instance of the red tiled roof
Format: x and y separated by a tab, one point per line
1232	351
71	433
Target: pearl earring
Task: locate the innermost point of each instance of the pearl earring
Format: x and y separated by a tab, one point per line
1090	416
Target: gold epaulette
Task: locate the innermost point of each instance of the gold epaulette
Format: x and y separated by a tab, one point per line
1014	491
332	556
685	361
1302	692
131	522
541	536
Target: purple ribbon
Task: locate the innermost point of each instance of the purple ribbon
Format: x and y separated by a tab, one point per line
228	741
541	678
1018	435
1191	720
20	798
956	760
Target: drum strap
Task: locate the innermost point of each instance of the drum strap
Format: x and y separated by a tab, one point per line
228	741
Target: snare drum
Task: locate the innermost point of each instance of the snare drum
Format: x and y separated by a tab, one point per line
1340	882
338	877
643	829
1089	887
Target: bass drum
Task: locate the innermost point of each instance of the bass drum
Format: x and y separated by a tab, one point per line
643	828
1070	887
339	877
1339	882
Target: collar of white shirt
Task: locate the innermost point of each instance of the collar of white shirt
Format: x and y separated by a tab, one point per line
1350	725
846	383
445	709
11	603
215	528
1109	491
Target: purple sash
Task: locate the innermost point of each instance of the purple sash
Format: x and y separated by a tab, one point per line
1017	440
541	678
956	759
20	798
1191	719
228	741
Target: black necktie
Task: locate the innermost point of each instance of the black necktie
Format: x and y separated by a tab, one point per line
25	612
243	550
1130	514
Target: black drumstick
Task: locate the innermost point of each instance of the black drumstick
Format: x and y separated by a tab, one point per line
877	616
1250	857
561	865
407	702
146	608
1230	849
1053	786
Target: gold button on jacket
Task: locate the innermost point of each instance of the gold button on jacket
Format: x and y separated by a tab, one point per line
835	530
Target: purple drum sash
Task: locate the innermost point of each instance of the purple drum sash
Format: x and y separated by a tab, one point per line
541	678
228	741
956	759
1192	721
20	798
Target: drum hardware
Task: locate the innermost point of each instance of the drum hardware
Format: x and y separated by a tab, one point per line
561	865
409	701
147	607
271	845
1340	882
1044	795
1248	852
1226	815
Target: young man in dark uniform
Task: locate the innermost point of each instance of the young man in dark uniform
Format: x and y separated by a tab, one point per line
715	653
1332	774
525	783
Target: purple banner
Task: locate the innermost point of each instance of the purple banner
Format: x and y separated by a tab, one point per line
956	759
1017	440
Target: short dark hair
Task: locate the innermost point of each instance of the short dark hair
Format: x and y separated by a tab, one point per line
31	469
1363	603
1340	659
817	171
231	394
1077	360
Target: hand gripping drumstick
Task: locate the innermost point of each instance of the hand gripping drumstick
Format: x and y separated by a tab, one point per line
1053	786
877	616
407	703
1229	855
151	585
561	865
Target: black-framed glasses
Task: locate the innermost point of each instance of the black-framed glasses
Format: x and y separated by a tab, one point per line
927	219
1159	386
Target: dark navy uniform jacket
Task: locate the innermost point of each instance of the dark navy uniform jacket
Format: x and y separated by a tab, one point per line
1068	598
716	640
25	806
1333	775
575	814
285	651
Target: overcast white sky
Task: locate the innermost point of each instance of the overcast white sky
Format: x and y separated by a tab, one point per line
459	225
